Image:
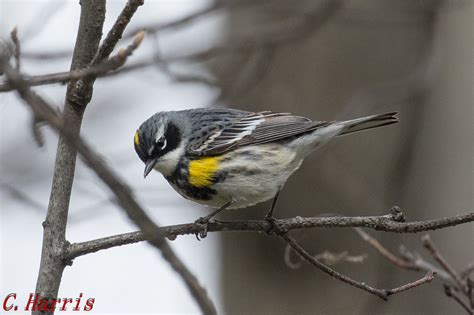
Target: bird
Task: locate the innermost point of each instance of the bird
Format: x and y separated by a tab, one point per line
228	159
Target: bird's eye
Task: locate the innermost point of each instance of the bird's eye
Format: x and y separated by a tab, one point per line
161	143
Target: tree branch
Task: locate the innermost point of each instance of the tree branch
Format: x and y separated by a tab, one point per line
453	281
303	25
98	70
429	245
399	262
380	223
54	233
381	293
116	32
17	47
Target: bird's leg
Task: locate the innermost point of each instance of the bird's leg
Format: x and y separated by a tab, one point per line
274	201
205	220
274	228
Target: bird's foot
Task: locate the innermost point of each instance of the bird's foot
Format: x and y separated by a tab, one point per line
204	225
204	221
275	226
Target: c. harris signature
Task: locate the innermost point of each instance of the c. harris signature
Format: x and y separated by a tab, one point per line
36	302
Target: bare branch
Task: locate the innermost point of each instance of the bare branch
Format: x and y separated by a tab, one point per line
470	291
22	196
116	32
427	278
301	28
415	262
467	270
408	260
101	69
429	245
381	293
325	257
36	131
448	290
77	97
17	48
155	28
383	223
385	252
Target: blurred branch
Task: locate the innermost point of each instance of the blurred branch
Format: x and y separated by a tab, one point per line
467	271
381	293
121	191
448	290
158	27
23	197
325	257
182	78
434	252
98	70
303	25
453	281
116	32
17	48
385	252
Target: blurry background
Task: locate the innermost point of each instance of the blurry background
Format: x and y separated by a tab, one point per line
322	59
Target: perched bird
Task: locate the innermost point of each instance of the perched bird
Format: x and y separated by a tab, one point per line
226	158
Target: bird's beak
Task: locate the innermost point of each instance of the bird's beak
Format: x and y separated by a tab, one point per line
149	165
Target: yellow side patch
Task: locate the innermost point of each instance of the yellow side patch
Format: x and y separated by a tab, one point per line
136	139
202	171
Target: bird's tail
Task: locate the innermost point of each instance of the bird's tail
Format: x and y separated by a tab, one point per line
306	144
364	123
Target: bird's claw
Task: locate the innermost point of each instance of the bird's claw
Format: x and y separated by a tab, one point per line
275	227
204	223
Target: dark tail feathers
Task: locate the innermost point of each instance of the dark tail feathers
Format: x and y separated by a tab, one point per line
369	122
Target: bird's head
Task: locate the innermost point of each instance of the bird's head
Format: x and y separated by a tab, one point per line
157	143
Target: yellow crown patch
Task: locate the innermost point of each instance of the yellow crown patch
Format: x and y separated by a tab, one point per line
136	139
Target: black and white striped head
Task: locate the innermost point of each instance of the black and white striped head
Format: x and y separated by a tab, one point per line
157	143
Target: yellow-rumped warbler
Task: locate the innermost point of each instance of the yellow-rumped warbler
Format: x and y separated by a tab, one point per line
226	158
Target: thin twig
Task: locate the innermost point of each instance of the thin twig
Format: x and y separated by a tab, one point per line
98	70
152	29
36	131
427	278
415	262
23	197
448	290
470	291
381	293
384	251
325	257
408	260
51	269
17	47
182	78
435	253
467	270
116	32
305	25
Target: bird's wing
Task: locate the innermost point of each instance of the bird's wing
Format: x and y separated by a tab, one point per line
249	128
